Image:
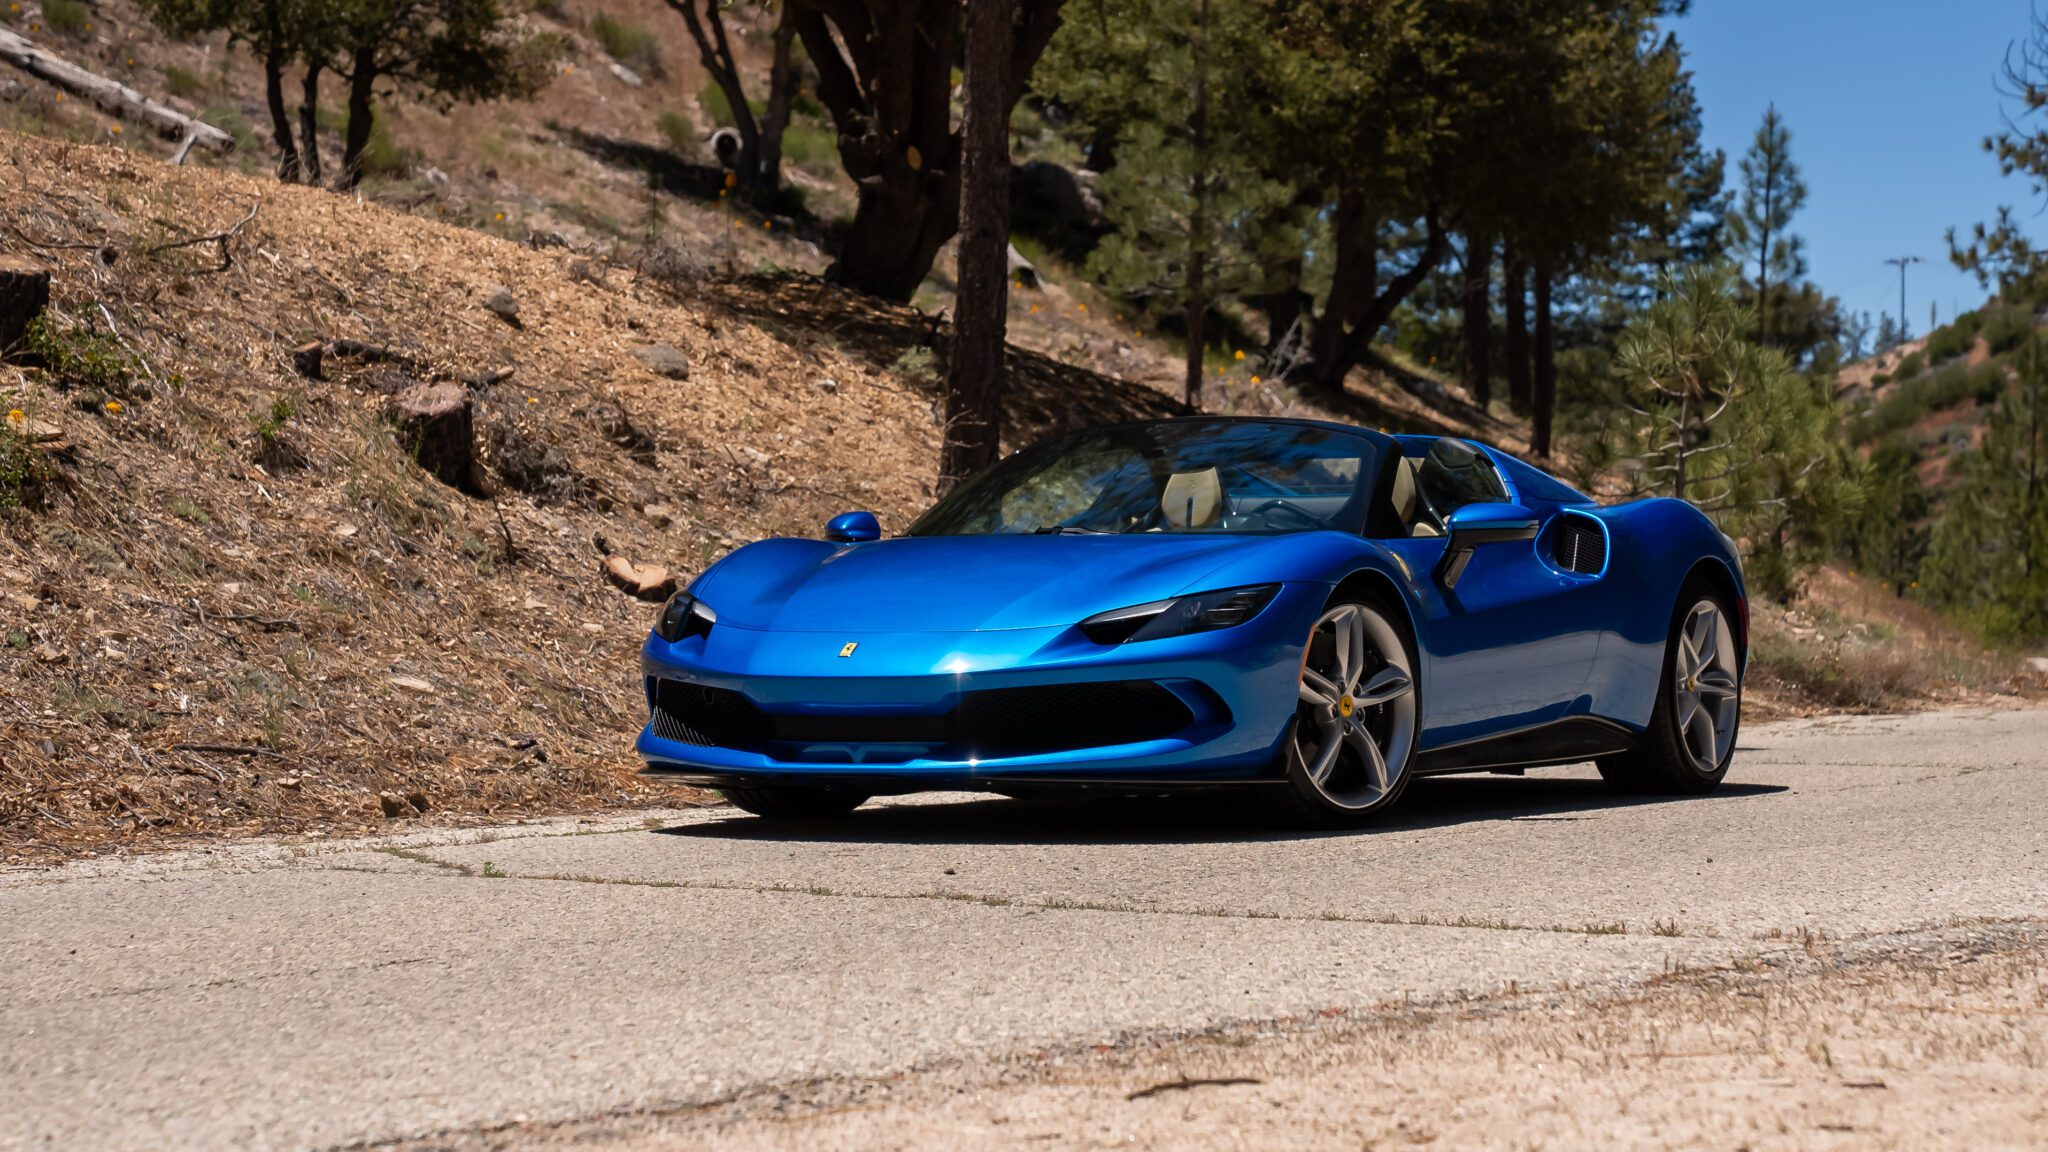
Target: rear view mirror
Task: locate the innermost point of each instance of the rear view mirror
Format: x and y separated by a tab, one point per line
1477	524
853	528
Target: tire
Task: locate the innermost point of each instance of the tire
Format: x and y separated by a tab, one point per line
1376	717
783	802
1691	739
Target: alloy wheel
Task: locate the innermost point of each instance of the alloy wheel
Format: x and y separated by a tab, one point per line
1706	687
1355	722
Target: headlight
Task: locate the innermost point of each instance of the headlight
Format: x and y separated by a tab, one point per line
684	615
1201	612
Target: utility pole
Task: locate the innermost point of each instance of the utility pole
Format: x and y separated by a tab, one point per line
1901	262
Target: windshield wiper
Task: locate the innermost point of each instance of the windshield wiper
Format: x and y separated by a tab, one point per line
1068	530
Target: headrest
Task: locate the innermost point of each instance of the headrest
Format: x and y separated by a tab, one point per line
1403	493
1192	499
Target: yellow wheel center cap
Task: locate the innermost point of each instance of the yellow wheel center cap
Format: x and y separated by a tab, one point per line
1344	705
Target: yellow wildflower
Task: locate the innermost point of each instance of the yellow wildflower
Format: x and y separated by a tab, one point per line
767	225
1240	353
1255	379
16	416
113	407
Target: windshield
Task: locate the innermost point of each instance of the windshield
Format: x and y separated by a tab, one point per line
1174	476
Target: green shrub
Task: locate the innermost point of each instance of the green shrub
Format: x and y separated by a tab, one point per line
680	133
67	16
2006	329
1909	366
810	147
183	82
24	469
629	43
712	100
382	155
79	359
1954	339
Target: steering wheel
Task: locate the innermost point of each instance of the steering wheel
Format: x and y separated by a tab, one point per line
1279	504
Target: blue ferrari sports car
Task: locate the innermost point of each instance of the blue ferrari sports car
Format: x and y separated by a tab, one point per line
1310	612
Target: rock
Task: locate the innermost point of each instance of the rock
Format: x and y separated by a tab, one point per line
501	304
630	78
393	805
419	801
436	427
413	684
650	582
306	359
660	515
38	431
49	653
827	385
24	293
664	360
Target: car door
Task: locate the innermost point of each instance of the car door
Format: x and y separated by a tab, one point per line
1508	647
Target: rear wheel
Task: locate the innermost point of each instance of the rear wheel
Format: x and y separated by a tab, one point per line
1348	752
794	803
1691	738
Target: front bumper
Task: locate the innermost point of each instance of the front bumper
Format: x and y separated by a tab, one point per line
1239	686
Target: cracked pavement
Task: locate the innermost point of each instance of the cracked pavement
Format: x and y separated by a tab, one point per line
321	994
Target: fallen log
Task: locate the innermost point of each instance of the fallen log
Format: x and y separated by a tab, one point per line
115	97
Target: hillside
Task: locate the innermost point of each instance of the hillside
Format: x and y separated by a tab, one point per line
235	602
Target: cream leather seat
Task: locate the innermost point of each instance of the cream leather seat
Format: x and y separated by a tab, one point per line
1192	500
1407	499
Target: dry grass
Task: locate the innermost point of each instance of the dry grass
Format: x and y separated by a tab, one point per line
1848	643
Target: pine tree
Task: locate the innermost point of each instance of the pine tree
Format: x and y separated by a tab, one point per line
1771	194
1989	555
1731	427
1189	187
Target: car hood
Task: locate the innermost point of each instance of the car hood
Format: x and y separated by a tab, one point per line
969	583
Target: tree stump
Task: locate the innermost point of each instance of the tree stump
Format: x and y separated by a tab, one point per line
24	293
436	426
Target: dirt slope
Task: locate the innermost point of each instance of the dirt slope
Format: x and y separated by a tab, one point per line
207	628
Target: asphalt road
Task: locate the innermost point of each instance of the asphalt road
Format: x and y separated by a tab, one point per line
323	994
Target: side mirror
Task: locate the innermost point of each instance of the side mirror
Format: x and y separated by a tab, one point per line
853	528
1477	524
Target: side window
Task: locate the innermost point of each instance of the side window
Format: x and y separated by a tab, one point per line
1455	474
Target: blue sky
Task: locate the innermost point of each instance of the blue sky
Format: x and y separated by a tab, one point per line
1888	101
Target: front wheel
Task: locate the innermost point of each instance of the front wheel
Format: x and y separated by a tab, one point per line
1691	738
785	802
1349	748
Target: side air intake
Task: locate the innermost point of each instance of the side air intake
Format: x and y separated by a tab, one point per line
1581	544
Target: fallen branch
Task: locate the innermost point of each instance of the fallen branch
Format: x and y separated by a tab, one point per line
227	256
116	98
229	750
1186	1083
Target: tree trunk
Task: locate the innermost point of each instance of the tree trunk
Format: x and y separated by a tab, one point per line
1198	222
782	79
1353	278
115	98
974	378
1283	308
437	429
24	293
280	118
885	73
1197	317
309	121
362	83
1546	367
1516	302
1369	312
1478	301
714	51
